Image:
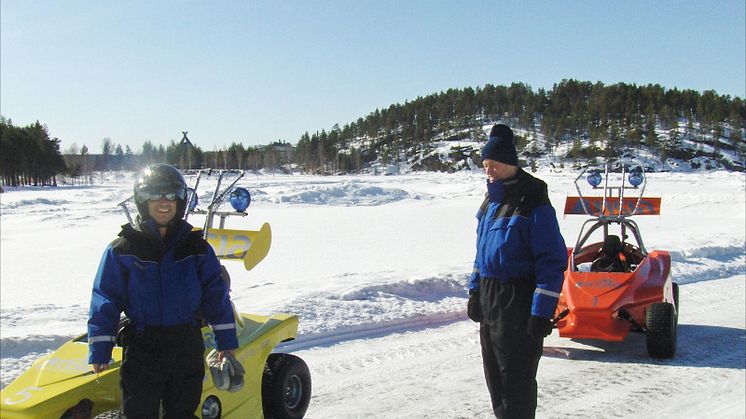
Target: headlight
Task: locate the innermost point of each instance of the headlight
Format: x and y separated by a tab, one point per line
240	199
636	176
594	178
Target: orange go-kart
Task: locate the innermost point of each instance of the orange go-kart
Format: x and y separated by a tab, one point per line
613	285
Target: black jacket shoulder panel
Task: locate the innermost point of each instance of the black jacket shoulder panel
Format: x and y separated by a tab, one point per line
137	243
192	245
524	196
148	248
537	193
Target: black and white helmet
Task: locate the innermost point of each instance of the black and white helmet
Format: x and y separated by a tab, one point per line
160	180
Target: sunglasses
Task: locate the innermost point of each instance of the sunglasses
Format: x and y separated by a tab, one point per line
143	196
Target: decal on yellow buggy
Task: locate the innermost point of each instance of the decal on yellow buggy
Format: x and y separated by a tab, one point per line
21	396
248	245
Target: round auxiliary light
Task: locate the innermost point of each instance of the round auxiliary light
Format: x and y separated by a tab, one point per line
594	178
193	200
636	177
240	199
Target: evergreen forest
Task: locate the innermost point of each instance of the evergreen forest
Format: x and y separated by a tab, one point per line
575	121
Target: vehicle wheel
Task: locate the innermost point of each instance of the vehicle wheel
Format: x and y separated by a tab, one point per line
212	408
286	387
660	322
676	297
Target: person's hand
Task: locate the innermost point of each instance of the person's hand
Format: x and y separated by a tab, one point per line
98	368
221	354
473	308
539	327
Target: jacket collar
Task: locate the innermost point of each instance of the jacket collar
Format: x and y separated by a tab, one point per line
506	190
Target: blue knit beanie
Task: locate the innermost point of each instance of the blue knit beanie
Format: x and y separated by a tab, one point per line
500	146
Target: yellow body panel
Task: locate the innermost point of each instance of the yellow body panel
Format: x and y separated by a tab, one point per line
60	380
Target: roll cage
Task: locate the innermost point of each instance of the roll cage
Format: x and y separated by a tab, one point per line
608	206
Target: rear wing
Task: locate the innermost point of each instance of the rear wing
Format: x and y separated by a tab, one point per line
249	246
598	206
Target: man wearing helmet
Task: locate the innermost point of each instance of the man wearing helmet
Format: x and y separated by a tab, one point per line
160	275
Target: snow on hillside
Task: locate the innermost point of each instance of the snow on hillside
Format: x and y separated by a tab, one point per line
457	151
376	267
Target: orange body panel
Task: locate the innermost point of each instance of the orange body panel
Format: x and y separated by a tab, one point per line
594	204
594	299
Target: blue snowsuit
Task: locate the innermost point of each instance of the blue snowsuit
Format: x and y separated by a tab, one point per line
518	271
162	285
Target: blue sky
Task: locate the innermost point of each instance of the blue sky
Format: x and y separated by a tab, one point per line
255	72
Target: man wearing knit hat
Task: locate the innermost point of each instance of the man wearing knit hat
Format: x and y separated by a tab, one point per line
518	273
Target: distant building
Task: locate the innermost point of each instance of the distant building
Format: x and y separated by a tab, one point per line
283	151
187	153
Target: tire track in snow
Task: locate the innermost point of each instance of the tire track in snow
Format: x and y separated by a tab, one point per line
348	371
576	378
370	330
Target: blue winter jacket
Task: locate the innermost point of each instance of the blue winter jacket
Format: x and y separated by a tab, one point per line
518	238
158	282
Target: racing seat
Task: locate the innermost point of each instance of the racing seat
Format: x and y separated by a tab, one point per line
611	257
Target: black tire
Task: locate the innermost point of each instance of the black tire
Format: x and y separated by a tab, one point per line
676	297
286	387
660	322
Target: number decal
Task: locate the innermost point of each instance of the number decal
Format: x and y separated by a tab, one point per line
238	250
22	396
229	246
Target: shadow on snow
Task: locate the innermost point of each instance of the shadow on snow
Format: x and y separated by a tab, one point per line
697	345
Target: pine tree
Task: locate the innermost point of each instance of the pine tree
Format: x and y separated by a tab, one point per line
674	139
118	157
107	148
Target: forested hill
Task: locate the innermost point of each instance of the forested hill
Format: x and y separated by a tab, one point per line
573	124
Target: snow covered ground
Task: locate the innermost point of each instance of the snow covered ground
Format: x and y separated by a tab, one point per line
376	268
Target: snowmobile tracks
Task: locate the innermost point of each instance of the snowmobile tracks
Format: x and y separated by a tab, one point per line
372	330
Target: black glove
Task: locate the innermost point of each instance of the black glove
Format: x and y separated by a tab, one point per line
539	327
473	309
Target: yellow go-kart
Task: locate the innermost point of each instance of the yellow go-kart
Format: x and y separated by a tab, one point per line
62	384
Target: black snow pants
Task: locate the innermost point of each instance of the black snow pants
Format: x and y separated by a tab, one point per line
162	364
510	356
